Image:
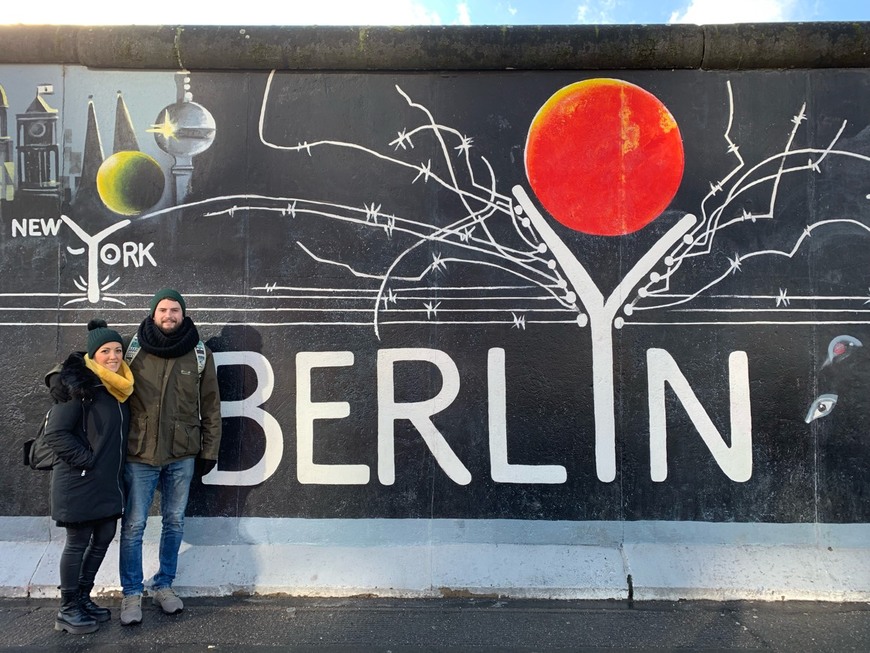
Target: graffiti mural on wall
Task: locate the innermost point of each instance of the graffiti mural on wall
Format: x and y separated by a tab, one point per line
400	278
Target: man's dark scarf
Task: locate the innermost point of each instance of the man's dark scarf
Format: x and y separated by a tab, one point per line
172	345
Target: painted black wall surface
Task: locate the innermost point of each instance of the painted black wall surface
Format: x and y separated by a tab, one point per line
374	213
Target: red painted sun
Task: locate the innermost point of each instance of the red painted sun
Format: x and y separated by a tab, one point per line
604	157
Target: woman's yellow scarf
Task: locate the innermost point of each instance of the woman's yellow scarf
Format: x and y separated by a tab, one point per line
119	384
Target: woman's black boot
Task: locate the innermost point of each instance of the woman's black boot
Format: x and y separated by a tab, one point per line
99	613
72	618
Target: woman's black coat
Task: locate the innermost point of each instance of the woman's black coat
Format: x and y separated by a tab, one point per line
89	435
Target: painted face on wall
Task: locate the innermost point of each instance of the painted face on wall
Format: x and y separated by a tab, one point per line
841	377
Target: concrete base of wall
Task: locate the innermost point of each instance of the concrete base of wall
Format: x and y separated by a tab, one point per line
426	558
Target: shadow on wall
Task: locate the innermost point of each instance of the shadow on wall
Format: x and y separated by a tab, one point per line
242	445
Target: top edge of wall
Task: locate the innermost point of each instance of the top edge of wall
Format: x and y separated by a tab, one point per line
581	47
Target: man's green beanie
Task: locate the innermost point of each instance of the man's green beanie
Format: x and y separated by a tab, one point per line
167	293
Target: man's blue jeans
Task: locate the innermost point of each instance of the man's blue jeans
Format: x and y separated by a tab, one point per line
140	481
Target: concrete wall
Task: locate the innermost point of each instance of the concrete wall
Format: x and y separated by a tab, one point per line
560	312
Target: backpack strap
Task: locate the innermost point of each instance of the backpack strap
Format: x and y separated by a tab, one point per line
134	347
200	356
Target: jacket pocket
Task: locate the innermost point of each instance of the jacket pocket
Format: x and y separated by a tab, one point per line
137	436
186	440
186	382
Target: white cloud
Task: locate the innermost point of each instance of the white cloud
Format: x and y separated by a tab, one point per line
221	12
708	12
597	11
463	14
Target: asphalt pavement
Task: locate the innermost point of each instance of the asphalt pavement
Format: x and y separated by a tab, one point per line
367	625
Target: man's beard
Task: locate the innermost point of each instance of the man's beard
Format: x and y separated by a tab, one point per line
171	330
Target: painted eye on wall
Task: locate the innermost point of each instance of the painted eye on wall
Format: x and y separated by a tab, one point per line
821	407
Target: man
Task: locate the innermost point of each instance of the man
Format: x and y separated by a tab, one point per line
175	430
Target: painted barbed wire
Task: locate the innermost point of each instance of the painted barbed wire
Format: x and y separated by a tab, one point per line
524	258
715	218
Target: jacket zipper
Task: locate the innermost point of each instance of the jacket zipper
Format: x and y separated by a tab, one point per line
85	430
123	457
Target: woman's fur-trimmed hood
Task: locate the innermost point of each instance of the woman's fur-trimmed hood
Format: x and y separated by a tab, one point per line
76	376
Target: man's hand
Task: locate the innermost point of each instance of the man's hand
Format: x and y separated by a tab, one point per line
59	392
204	466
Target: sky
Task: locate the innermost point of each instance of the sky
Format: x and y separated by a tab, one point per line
430	12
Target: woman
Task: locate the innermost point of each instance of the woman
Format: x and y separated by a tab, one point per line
89	435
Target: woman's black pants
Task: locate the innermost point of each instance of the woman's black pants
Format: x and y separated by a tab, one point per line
83	553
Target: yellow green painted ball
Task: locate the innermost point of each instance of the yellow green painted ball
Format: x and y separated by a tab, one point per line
130	182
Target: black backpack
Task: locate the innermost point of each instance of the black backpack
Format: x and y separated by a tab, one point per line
37	454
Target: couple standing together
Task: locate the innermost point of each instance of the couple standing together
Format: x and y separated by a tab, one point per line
120	432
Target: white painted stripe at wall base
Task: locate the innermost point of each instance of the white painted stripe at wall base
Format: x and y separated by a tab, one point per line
512	558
